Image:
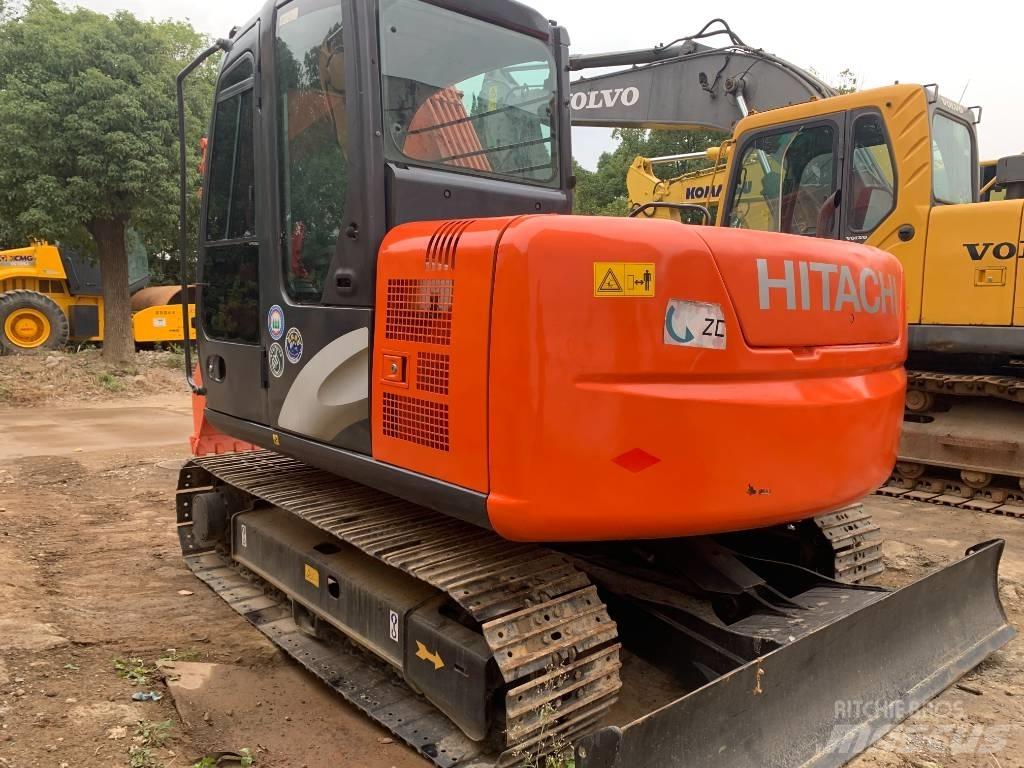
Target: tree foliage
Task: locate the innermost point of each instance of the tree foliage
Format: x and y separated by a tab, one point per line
88	139
603	192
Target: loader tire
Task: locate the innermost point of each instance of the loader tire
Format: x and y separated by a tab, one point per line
30	321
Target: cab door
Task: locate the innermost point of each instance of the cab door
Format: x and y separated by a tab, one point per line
971	263
230	341
319	288
869	191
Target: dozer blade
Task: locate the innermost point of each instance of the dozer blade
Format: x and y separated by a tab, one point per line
825	697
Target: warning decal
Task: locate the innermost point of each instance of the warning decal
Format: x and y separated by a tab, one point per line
615	278
312	575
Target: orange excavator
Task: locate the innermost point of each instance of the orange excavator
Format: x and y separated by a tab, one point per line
526	484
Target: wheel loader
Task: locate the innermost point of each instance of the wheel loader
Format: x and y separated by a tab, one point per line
50	296
529	484
893	167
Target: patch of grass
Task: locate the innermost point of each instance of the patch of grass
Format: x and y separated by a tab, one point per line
174	358
133	670
109	382
173	654
149	734
6	393
244	758
141	757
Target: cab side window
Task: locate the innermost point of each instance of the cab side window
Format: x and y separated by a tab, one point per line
312	119
230	262
871	192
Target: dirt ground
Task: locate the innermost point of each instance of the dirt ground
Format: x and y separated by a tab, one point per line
90	579
71	378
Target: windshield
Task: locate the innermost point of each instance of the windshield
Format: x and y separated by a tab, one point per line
468	95
785	179
952	161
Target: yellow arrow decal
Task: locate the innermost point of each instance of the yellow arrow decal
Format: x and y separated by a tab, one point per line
433	658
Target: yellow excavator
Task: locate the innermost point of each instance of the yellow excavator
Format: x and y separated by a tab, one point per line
702	187
893	167
50	296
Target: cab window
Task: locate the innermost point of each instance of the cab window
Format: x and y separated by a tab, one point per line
486	106
871	196
229	265
230	212
312	139
952	161
785	181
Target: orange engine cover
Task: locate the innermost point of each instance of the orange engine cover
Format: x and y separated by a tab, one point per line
619	378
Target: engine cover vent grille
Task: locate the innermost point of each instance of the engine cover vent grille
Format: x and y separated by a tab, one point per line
444	243
418	421
432	372
419	311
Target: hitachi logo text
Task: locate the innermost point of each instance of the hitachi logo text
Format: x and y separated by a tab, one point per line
842	289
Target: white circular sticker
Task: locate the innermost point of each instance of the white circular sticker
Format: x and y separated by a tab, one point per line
276	360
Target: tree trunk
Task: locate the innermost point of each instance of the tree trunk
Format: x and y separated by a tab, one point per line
118	338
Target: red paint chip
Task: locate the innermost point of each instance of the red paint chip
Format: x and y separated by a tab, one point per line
636	460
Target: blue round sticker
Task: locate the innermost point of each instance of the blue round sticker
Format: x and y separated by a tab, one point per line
293	345
275	322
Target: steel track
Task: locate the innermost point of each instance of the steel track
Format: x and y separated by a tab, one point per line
935	485
856	543
967	385
552	639
952	493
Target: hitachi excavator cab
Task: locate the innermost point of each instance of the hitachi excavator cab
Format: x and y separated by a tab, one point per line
509	454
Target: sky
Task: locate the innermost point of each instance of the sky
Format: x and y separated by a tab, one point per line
880	41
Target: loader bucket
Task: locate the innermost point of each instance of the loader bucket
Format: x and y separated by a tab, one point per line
819	701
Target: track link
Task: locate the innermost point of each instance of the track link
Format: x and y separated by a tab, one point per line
856	543
552	639
941	480
967	385
993	499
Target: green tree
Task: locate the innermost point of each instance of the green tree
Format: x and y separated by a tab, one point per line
603	192
88	142
847	81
